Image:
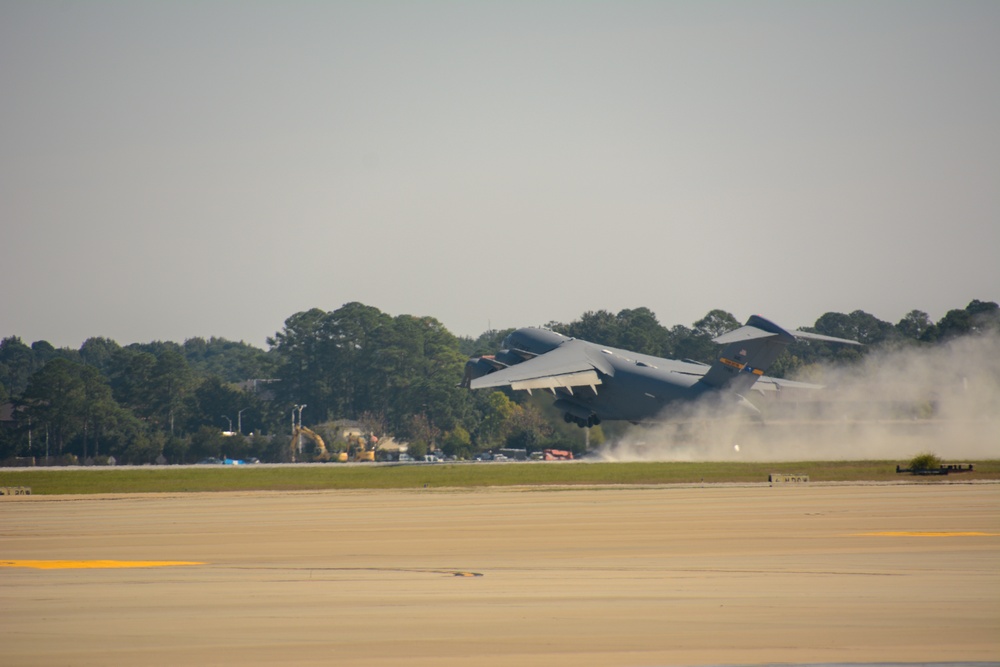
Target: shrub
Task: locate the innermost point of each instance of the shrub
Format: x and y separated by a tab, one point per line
925	461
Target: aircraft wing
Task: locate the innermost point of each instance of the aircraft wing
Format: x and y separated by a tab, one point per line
567	366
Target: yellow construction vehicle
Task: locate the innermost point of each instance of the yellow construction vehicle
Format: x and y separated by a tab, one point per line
360	448
321	452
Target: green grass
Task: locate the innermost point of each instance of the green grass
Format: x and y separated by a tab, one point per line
169	479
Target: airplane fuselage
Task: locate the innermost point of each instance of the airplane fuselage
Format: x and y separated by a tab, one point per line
633	387
593	383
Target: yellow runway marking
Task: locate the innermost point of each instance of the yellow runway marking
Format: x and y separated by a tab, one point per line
92	564
914	533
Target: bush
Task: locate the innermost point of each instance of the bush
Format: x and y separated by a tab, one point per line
925	461
417	449
68	460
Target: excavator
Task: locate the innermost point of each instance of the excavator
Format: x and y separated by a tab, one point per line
321	452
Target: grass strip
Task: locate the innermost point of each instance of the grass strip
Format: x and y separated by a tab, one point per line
168	479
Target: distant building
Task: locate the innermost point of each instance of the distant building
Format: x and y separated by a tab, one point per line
260	387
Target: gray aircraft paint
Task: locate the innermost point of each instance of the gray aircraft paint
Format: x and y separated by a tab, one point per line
593	383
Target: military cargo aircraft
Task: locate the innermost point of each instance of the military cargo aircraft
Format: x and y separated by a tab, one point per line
593	383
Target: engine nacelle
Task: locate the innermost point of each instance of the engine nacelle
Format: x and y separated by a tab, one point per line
532	342
508	358
477	367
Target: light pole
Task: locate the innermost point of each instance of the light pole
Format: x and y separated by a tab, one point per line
230	422
300	408
239	421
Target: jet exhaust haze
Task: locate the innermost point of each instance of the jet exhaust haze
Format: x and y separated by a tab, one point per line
892	405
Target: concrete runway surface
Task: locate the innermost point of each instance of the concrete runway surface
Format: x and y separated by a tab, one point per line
597	576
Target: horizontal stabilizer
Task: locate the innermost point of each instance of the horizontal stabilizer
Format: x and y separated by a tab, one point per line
777	384
829	339
744	334
757	327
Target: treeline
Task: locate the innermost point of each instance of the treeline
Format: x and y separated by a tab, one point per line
397	376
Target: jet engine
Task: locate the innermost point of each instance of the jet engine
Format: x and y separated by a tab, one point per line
477	367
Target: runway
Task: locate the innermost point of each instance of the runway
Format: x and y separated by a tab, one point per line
598	576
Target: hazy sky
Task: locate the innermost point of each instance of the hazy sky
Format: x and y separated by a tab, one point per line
179	169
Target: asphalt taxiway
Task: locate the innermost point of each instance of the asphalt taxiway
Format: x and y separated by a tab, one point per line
597	576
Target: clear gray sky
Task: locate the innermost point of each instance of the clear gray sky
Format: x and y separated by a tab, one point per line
179	169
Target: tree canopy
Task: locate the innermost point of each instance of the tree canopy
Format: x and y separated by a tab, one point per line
394	375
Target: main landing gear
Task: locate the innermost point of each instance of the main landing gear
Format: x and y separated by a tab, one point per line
592	420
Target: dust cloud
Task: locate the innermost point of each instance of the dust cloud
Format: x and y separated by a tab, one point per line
893	405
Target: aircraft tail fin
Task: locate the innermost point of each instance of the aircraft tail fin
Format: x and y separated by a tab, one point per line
748	352
751	349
